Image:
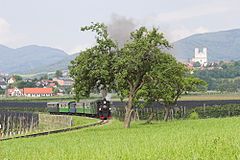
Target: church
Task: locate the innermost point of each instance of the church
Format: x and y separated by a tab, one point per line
200	57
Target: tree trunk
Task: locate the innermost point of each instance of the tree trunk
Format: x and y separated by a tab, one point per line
150	118
129	109
167	112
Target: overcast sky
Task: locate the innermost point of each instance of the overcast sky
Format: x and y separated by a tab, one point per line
56	23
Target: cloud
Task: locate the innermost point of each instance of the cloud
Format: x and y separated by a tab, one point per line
8	36
182	32
79	48
4	27
187	13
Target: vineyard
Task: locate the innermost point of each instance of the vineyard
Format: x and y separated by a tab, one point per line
13	123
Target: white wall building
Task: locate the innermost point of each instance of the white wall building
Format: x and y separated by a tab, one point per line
200	57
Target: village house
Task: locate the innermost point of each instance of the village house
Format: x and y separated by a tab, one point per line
15	92
3	84
11	80
2	78
30	92
64	81
46	83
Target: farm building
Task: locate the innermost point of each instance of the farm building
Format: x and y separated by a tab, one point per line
37	92
30	92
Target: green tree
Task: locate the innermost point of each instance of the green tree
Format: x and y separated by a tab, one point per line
55	91
93	68
17	77
197	64
177	85
125	70
44	77
136	60
2	91
169	85
58	73
22	84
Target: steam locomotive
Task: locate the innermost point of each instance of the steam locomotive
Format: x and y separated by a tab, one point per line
92	108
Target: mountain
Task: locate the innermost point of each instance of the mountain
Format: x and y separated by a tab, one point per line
29	58
60	65
223	45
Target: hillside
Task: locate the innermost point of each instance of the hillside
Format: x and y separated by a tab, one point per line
223	45
29	58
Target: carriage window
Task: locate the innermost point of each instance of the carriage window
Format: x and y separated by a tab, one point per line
72	104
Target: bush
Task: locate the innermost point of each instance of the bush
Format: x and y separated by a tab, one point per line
194	115
227	110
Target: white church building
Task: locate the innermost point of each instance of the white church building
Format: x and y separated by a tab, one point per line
200	57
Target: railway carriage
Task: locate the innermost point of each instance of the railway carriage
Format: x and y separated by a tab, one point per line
92	108
64	107
53	107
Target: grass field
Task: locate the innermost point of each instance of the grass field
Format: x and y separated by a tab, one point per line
186	139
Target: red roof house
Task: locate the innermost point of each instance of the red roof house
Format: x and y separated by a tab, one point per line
37	92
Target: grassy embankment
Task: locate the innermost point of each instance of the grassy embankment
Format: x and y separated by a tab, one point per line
186	139
52	122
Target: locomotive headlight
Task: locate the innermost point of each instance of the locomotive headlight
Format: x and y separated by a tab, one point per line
110	109
100	109
104	102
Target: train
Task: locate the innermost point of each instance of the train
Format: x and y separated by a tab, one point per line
91	108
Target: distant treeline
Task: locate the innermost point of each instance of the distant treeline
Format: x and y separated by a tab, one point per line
222	77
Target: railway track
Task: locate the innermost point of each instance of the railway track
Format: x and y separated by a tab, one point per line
55	131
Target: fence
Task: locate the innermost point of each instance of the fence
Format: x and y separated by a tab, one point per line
12	123
180	112
144	113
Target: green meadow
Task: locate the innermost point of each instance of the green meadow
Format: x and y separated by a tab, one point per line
182	139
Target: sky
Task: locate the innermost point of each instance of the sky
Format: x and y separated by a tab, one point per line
56	23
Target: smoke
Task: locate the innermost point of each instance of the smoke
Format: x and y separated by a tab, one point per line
120	28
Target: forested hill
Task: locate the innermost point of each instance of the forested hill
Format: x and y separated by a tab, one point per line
223	45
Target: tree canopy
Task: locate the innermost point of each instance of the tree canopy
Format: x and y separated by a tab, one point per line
141	63
93	68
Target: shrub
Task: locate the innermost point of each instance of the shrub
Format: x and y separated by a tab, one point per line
194	115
